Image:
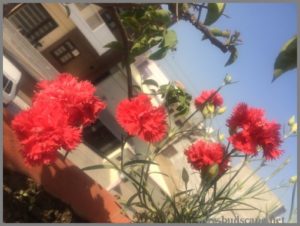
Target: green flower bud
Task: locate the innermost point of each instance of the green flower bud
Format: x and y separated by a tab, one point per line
291	120
293	179
210	172
221	110
294	128
208	111
221	137
211	108
227	79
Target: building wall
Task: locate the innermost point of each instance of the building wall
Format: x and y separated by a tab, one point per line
59	14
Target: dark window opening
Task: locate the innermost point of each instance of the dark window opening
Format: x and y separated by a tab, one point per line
65	52
33	21
108	20
100	139
7	84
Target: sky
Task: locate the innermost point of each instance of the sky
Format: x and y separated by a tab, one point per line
199	65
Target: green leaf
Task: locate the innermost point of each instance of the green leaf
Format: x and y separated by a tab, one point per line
233	56
150	82
214	11
182	193
154	40
159	54
138	161
129	201
140	46
131	22
162	15
287	58
163	90
218	33
184	111
68	11
185	177
114	45
166	175
101	166
138	88
170	39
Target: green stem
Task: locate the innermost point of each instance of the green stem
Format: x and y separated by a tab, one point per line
293	200
122	150
131	178
233	177
141	184
66	155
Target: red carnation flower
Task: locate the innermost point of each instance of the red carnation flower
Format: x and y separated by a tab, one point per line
204	153
139	118
43	130
76	97
60	108
250	131
217	100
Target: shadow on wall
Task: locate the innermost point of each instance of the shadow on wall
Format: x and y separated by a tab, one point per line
65	181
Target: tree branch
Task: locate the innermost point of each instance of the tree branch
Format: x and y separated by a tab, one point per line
126	45
192	19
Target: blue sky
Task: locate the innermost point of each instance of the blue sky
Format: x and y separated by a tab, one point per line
264	28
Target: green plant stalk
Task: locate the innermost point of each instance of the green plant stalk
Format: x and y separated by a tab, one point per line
131	178
234	176
66	155
124	140
253	173
142	174
293	200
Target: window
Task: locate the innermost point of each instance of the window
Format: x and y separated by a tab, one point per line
33	21
90	13
144	70
7	84
108	20
65	52
94	21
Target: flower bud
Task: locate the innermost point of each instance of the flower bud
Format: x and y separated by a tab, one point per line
294	128
221	110
221	137
227	79
291	120
293	180
210	172
205	111
211	108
